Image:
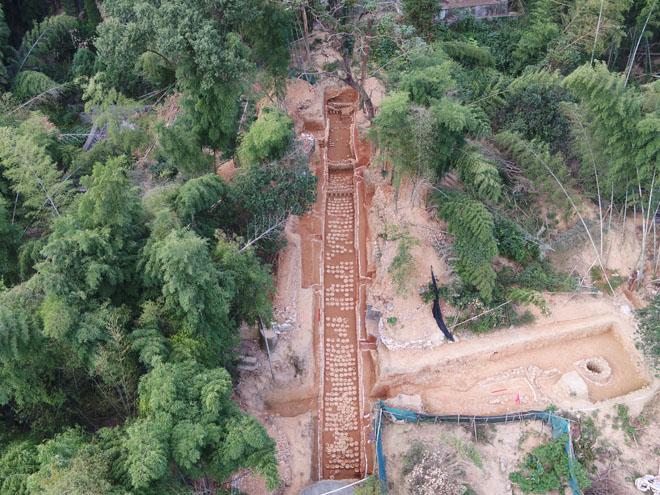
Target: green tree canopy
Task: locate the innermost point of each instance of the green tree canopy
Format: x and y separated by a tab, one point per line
474	240
17	462
91	257
248	280
8	243
196	202
26	360
187	419
267	139
421	14
625	122
48	48
32	173
212	48
196	299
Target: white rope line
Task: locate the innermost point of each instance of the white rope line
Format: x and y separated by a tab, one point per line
479	315
345	486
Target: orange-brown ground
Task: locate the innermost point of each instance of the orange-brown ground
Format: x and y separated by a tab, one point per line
340	440
479	374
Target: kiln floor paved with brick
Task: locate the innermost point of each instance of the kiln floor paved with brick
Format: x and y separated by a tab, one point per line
340	430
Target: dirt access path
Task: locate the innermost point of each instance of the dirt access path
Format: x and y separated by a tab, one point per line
342	435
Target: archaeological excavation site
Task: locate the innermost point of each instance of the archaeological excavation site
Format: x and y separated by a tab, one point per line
329	247
463	310
360	367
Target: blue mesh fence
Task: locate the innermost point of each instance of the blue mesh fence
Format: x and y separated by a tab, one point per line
560	426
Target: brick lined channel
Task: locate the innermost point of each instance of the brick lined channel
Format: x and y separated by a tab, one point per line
340	440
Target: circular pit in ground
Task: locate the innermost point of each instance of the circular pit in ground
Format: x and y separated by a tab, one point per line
595	369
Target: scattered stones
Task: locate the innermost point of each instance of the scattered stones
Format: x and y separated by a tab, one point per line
504	465
373	314
247	363
284	327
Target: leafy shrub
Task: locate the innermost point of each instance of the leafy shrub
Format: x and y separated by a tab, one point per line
585	443
426	84
182	147
533	109
196	199
499	35
421	14
384	47
17	462
539	276
262	195
83	63
423	127
492	315
542	28
526	297
475	246
402	264
370	487
468	53
29	84
621	122
8	243
536	161
648	331
546	469
482	87
267	139
512	242
480	175
49	47
29	255
92	14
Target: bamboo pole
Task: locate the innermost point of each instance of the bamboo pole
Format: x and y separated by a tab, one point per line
263	334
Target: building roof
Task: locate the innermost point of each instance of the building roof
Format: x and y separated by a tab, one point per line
461	4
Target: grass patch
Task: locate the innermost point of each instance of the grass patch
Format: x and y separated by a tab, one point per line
370	487
546	469
402	264
465	449
600	282
629	426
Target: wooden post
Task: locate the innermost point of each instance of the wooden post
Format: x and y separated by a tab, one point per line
263	334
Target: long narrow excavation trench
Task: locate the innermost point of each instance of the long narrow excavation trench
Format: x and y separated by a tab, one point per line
341	430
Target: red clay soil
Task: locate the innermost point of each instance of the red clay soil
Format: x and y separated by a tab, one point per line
341	426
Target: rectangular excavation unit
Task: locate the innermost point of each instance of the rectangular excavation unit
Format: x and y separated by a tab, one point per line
570	364
340	424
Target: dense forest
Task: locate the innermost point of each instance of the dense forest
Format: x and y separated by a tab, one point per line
127	265
541	118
